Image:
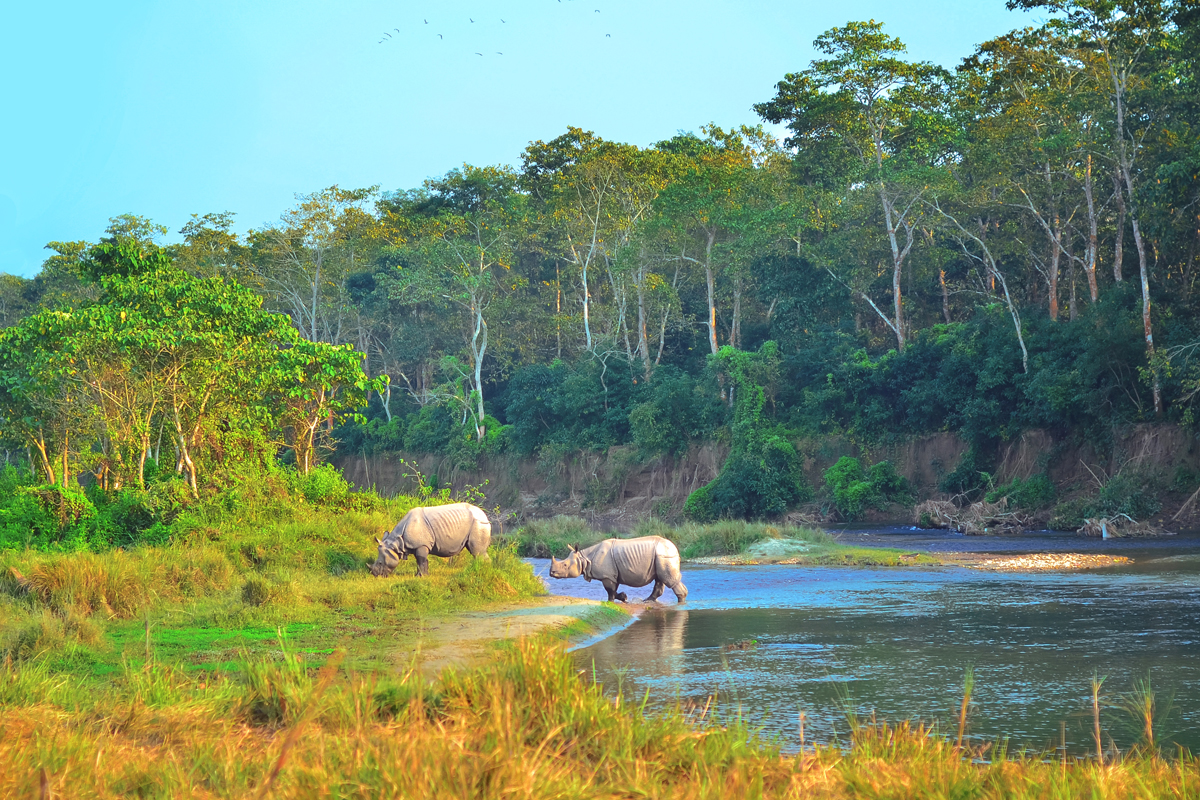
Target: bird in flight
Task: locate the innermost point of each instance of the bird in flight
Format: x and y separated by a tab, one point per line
503	21
499	53
479	54
426	22
471	19
440	36
609	35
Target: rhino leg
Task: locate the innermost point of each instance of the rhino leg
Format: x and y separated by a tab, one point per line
656	592
680	590
611	587
422	556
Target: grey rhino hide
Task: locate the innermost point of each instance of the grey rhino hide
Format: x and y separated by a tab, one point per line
436	530
632	562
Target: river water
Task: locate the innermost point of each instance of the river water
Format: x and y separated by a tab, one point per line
895	642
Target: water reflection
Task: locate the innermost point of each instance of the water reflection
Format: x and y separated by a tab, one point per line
655	653
897	642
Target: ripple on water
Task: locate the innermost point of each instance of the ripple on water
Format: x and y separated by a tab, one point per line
897	642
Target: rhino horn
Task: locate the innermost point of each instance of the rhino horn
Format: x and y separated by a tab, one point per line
378	540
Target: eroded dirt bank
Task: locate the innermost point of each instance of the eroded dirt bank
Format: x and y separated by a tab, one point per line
614	489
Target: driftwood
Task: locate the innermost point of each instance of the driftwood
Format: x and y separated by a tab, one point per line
1186	505
1118	526
977	518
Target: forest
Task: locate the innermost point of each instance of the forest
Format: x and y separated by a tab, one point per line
1006	245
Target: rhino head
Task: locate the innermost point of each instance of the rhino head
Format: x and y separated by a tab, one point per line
391	553
569	567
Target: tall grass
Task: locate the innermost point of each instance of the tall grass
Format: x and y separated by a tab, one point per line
261	564
527	725
555	536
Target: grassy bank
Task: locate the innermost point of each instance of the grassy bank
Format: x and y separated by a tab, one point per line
729	540
232	579
526	725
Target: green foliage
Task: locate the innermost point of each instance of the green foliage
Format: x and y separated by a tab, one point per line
854	490
699	505
543	538
322	485
763	475
1130	492
1031	494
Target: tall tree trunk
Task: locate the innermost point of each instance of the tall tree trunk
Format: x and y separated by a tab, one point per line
1071	277
643	347
479	344
1089	260
587	319
945	295
185	456
1119	245
712	305
735	332
1055	259
48	473
889	213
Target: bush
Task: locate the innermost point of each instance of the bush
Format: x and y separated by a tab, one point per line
764	481
699	505
1068	516
48	517
854	489
1031	494
543	538
1128	492
322	486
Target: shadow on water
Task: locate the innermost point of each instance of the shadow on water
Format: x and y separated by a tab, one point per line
770	641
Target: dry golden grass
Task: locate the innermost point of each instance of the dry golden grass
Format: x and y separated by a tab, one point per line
526	726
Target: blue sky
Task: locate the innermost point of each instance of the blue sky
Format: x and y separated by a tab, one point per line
164	109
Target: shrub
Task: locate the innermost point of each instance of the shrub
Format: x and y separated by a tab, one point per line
854	489
543	538
1068	516
1034	493
699	505
762	476
48	517
1128	492
322	486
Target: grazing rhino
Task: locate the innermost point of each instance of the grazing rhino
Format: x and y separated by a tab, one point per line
436	530
633	562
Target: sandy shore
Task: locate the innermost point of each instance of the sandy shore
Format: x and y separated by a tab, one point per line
1033	562
467	639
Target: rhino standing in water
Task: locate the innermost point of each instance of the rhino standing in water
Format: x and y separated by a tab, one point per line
633	562
437	530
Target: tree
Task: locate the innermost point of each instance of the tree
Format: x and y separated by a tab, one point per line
885	112
1124	40
461	233
303	263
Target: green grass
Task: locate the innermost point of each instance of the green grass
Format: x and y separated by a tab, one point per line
525	725
747	542
231	582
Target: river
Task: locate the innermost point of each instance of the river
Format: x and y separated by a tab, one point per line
895	642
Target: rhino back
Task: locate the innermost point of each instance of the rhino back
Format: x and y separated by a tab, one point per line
445	528
628	561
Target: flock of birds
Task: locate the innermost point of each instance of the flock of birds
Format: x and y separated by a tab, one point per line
388	36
